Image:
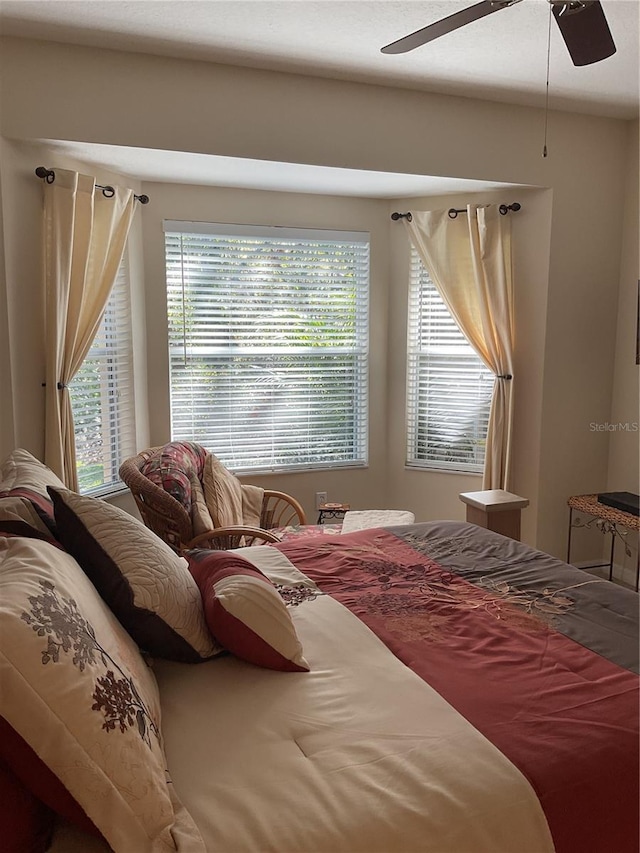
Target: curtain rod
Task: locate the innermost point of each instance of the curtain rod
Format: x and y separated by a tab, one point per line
453	212
49	176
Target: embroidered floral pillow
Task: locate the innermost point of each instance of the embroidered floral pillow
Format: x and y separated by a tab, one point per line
75	687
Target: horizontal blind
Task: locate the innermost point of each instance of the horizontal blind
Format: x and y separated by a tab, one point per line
102	396
448	386
268	340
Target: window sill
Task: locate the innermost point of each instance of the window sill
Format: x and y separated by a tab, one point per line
434	470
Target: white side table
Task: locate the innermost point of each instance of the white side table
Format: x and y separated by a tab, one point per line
496	510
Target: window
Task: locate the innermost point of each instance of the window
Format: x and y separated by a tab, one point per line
268	342
102	396
448	386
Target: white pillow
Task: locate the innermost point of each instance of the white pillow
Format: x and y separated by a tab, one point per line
368	518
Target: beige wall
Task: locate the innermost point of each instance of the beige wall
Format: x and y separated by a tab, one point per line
171	201
7	434
23	297
435	494
146	101
624	444
624	438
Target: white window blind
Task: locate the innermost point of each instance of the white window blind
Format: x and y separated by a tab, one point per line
102	396
268	341
448	386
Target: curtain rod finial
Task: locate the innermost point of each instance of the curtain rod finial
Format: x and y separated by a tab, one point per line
46	174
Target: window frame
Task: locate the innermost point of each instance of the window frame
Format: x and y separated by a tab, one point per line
358	353
113	344
450	348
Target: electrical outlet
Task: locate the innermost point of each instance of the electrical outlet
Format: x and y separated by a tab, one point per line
321	498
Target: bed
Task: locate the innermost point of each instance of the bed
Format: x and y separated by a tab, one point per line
460	692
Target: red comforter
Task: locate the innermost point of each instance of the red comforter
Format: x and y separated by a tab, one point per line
539	657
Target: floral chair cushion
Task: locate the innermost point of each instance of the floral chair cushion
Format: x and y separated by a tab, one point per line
172	468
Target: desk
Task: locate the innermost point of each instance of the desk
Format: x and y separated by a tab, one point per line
607	519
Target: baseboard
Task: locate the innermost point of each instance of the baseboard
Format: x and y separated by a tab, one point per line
624	575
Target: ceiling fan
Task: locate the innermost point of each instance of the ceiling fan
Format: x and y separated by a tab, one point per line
582	24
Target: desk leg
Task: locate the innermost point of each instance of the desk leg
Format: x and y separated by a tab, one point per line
613	545
569	535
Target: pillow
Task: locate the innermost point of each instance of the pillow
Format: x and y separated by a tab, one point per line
222	492
37	778
22	470
200	518
252	499
244	611
368	518
24	476
76	689
27	824
16	507
144	582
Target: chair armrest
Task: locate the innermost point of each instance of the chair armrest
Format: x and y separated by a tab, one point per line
229	538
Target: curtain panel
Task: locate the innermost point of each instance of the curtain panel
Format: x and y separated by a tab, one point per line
85	235
469	261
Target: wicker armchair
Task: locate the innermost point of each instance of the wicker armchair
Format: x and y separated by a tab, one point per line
169	519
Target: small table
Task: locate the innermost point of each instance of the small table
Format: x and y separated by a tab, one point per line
607	519
331	510
495	510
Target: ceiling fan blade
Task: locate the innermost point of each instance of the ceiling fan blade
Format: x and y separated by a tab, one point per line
585	31
446	25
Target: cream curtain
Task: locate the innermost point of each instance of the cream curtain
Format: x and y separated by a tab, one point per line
469	261
85	236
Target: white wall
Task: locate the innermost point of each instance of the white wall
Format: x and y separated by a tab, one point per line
51	91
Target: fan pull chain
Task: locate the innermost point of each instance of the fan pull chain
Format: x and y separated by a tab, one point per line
546	101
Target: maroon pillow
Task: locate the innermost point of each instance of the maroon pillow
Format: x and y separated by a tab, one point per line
244	611
27	824
18	758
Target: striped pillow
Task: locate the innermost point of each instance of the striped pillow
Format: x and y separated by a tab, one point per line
244	611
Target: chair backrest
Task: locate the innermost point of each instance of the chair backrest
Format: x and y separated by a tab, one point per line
162	479
160	511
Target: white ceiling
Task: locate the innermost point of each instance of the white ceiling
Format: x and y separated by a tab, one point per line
502	57
209	170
